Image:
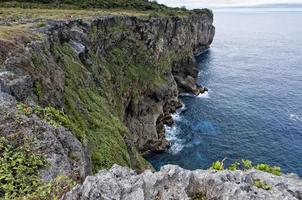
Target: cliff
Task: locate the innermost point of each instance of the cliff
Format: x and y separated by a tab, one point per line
97	92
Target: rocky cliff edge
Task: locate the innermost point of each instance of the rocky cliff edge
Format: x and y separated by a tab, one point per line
173	182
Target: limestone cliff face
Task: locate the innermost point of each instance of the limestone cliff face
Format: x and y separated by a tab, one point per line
117	80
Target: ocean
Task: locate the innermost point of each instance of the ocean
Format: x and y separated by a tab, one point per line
253	109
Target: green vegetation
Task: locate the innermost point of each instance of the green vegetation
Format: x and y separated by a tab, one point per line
83	8
38	90
262	184
19	167
20	164
17	31
53	116
37	60
265	167
53	190
234	166
218	165
106	4
246	165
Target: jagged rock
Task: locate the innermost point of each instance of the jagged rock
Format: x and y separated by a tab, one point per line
173	182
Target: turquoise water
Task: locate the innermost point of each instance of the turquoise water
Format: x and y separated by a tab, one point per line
253	109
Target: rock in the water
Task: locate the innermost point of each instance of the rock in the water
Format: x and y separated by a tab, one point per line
173	182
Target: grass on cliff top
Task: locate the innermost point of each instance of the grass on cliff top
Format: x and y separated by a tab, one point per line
16	11
17	18
101	4
17	14
20	22
16	32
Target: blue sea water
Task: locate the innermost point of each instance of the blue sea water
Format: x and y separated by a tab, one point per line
253	109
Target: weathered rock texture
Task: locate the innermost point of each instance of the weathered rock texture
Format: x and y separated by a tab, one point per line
173	182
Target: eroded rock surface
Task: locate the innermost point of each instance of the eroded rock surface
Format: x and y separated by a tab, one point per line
173	182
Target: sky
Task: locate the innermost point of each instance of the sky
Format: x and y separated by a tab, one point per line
223	3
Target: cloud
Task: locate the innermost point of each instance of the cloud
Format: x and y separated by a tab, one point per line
222	3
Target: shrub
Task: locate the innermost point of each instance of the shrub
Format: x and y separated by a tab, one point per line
246	165
53	190
262	184
265	167
218	165
19	167
234	166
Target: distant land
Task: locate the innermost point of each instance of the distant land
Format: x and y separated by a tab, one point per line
261	8
296	5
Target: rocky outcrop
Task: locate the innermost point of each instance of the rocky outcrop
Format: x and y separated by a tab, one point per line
173	182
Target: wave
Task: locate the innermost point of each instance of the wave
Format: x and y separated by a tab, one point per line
187	95
204	95
176	148
201	95
184	107
172	136
295	118
176	117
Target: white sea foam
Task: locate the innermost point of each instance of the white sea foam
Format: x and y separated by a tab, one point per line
176	148
176	116
184	107
172	132
204	95
295	118
186	95
176	143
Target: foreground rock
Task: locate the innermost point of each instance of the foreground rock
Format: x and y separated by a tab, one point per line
173	182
